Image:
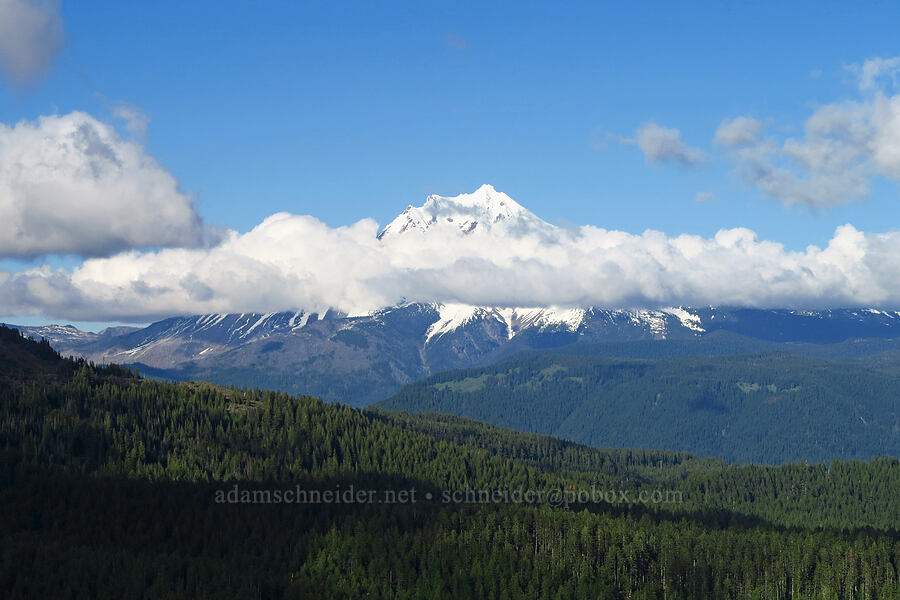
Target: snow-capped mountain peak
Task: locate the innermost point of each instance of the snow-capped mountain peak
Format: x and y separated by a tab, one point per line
483	211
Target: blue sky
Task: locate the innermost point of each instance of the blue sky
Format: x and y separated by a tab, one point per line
355	110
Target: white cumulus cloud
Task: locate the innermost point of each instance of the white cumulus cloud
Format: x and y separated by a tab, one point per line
70	184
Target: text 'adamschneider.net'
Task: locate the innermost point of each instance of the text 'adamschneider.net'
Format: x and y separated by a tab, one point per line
353	495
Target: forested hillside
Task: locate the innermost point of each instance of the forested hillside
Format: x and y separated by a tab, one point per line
764	408
114	486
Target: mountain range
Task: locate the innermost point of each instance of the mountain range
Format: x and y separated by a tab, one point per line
363	358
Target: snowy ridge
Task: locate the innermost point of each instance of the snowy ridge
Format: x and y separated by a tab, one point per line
68	334
658	324
570	318
453	316
688	319
222	329
218	331
466	331
875	311
655	320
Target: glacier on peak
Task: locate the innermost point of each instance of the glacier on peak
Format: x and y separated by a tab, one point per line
484	210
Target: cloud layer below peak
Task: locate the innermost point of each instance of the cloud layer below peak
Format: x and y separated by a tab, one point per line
290	262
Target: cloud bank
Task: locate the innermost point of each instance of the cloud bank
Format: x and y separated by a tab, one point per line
31	34
290	262
70	184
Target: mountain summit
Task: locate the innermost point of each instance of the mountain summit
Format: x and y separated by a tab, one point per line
483	211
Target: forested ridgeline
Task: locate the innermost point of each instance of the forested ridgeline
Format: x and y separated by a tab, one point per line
110	486
763	408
